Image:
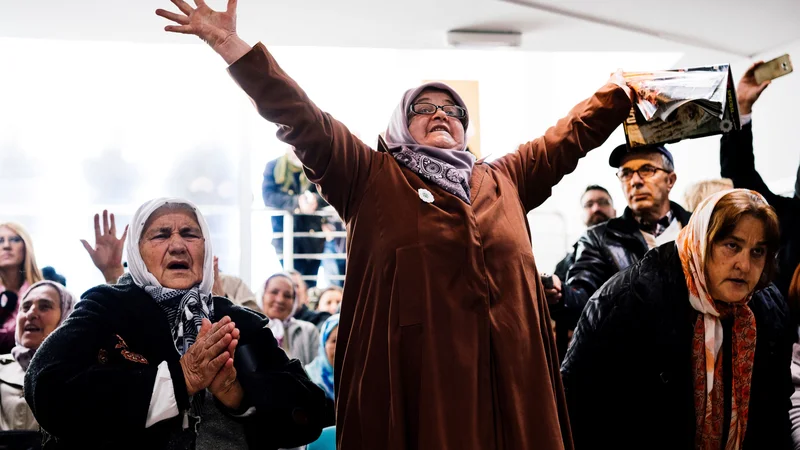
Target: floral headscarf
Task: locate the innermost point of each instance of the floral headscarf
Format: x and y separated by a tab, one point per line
706	356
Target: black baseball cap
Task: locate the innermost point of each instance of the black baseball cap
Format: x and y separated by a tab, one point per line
615	160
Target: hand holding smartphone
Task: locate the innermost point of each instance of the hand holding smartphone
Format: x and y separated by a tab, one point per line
772	69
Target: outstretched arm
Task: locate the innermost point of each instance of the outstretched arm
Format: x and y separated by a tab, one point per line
540	164
736	155
333	158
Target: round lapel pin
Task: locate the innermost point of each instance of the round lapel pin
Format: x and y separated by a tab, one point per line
425	195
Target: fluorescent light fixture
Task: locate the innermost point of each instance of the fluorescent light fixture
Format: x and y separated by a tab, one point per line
484	38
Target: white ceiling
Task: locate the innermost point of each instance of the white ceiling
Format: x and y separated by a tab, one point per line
726	28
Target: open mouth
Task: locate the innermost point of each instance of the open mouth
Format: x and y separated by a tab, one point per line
178	265
32	328
439	128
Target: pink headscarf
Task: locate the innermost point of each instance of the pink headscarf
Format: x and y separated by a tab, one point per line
23	354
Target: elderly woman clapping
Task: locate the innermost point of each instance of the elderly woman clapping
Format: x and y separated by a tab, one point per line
690	347
140	363
43	308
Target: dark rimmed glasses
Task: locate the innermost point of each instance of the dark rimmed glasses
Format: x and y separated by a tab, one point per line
646	171
429	108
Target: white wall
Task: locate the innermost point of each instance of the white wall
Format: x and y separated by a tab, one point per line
65	103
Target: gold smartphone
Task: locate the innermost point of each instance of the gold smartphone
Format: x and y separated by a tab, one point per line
775	68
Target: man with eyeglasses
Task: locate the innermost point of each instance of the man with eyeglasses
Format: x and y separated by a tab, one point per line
647	176
598	207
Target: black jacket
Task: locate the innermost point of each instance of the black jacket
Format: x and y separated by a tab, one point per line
738	163
90	383
604	250
628	373
316	317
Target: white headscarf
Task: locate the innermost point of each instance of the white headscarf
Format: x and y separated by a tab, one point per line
141	276
277	326
24	354
193	304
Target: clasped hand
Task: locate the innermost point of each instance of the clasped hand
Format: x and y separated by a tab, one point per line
209	362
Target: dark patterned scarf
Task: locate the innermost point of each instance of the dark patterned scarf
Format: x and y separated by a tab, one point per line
185	310
438	172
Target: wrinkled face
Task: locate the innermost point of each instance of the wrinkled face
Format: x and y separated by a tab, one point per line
597	207
278	298
647	194
439	129
737	261
38	316
329	301
173	248
330	345
12	249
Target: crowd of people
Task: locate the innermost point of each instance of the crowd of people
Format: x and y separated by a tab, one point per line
665	327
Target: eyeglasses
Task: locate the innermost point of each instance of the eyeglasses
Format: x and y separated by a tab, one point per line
646	171
603	202
12	239
430	108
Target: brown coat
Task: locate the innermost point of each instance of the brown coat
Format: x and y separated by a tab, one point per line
444	339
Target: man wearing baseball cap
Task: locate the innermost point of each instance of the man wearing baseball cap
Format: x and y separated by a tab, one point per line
647	175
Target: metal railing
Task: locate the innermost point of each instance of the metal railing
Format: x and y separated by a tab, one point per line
288	235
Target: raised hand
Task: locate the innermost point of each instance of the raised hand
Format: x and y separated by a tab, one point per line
217	289
107	252
216	28
212	350
748	91
618	79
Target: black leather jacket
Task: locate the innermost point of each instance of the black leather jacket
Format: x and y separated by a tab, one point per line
628	372
604	250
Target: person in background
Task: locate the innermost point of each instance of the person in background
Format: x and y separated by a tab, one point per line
647	175
300	339
699	191
18	271
233	288
49	273
598	207
303	312
156	361
320	370
286	187
441	278
689	348
737	162
330	299
42	309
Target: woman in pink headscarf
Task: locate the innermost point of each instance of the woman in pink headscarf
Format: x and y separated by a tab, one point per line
690	347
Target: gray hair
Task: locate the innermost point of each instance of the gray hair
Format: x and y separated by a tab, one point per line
668	166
